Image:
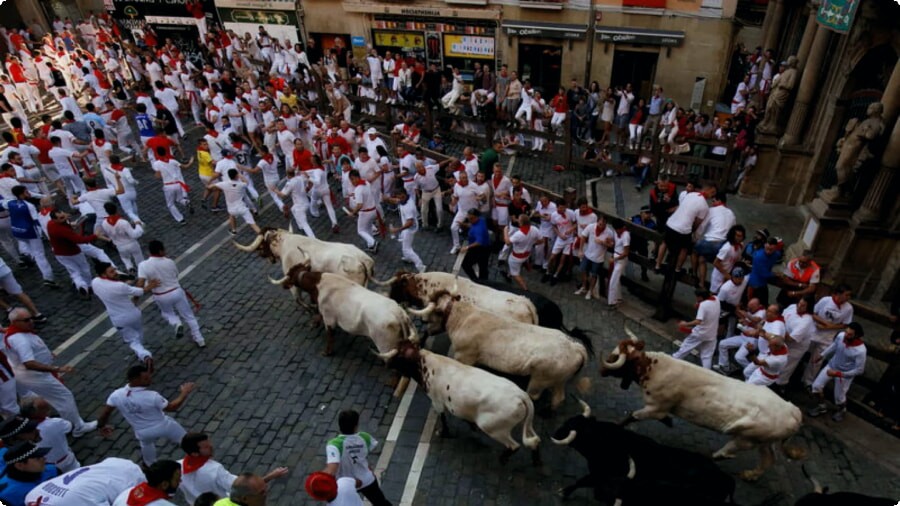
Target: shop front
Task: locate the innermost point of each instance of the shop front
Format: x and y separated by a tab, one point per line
168	19
540	50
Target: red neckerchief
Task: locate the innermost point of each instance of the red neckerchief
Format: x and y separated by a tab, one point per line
855	342
619	231
497	180
116	167
11	330
45	211
525	228
163	158
598	230
192	463
144	494
360	183
462	185
141	94
113	219
776	319
585	213
99	142
778	351
711	297
268	157
213	133
470	158
213	108
282	129
159	107
719	204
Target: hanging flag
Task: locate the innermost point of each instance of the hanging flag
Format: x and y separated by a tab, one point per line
837	15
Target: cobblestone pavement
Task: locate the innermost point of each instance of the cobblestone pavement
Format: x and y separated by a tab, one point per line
268	397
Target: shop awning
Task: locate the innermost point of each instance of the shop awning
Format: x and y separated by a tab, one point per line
638	36
545	30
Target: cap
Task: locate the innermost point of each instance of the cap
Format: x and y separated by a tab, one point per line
763	232
737	272
24	451
227	151
15	426
371	131
645	209
437	136
784	63
321	486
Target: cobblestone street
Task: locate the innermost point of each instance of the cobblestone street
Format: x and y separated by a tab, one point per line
268	398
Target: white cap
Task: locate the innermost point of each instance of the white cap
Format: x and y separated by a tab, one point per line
371	131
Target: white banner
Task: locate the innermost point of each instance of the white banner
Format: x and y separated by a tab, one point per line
170	20
266	5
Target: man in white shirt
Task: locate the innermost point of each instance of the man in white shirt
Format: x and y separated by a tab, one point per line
621	250
124	236
163	478
772	326
521	240
52	431
845	359
766	368
125	316
728	255
321	194
347	456
465	197
234	188
565	230
832	314
597	238
363	205
64	161
430	190
799	330
703	328
32	363
544	210
96	484
145	410
409	225
169	296
201	474
689	214
713	230
750	319
295	188
174	188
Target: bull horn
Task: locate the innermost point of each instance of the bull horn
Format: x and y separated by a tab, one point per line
422	313
252	247
385	282
290	226
387	355
631	335
585	407
632	470
278	281
567	440
617	364
455	289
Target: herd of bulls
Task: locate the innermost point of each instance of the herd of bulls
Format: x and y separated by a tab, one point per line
522	335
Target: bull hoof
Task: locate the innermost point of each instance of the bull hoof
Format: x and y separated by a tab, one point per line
751	474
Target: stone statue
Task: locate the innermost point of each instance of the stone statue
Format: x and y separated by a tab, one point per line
853	147
782	86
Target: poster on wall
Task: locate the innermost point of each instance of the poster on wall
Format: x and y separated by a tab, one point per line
433	48
837	15
469	46
410	44
278	17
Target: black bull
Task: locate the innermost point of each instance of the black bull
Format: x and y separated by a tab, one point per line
549	313
662	474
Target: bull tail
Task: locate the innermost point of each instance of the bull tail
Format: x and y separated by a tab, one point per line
530	439
582	337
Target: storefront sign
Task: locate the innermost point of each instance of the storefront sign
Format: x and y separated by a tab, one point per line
545	30
266	5
399	39
837	15
403	10
258	17
639	36
468	46
358	41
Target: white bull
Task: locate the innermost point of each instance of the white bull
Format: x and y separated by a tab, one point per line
496	405
751	414
355	309
319	256
548	356
418	289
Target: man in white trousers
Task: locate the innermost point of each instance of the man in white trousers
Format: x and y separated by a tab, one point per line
99	483
32	362
409	225
52	432
703	328
145	410
170	297
362	204
169	171
621	249
295	188
125	316
124	236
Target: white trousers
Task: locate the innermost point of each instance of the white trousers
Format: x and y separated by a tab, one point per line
45	385
706	348
425	210
175	193
795	353
35	249
406	245
635	133
174	304
753	374
9	404
275	198
557	119
733	342
841	385
132	332
524	110
128	200
167	429
364	227
322	195
72	184
131	254
615	282
458	219
815	362
302	220
78	269
91	251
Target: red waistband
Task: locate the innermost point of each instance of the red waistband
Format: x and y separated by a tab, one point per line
167	291
770	376
367	210
521	255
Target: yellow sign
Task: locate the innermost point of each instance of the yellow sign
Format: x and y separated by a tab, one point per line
400	39
469	46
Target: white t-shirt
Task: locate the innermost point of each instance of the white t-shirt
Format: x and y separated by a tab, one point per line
728	255
96	199
622	241
346	493
801	328
170	171
123	233
296	187
92	485
53	432
692	207
468	197
827	310
350	451
718	222
775	328
708	312
269	170
211	477
62	160
564	225
408	212
362	196
24	347
142	408
428	182
545	214
731	293
234	195
594	244
522	242
161	268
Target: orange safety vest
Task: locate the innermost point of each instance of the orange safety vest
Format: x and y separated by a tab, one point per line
802	275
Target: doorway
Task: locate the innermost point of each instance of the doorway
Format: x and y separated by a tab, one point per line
542	64
637	68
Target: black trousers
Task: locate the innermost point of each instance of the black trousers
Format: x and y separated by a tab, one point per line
374	494
480	256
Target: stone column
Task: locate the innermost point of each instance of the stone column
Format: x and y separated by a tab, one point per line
891	97
807	90
890	163
808	34
766	25
773	25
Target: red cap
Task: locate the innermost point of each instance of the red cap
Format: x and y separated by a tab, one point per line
321	486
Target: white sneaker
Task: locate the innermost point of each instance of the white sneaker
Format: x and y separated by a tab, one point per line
84	429
580	291
454	250
587	296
